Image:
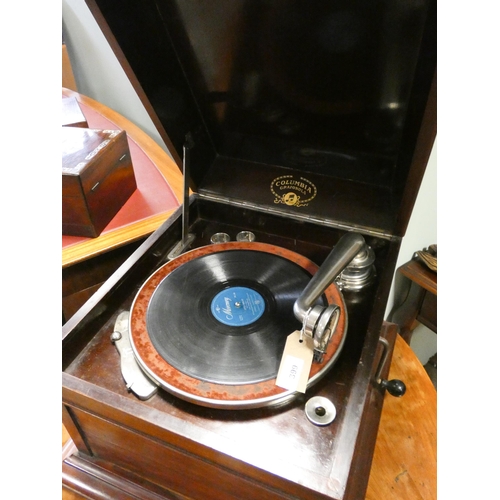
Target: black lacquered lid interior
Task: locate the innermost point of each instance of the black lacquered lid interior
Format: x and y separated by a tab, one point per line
331	89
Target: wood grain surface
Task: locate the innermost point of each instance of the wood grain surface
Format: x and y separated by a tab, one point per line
405	459
159	158
421	275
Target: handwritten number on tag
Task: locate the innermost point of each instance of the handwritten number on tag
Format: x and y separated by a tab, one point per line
295	366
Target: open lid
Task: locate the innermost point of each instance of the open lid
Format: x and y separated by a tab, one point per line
320	108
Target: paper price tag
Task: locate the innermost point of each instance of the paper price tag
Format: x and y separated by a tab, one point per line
296	362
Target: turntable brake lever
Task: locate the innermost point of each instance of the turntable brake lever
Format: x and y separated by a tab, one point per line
319	322
136	380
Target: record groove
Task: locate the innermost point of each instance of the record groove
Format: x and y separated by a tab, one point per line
188	335
201	359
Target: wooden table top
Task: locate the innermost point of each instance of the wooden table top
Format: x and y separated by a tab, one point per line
420	274
405	459
156	173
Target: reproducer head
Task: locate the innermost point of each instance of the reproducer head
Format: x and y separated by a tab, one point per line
319	322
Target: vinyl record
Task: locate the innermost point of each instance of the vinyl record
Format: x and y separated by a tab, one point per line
224	317
211	325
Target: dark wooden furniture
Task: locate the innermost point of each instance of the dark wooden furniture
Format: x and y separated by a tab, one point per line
97	179
405	458
290	134
219	454
416	288
159	182
88	262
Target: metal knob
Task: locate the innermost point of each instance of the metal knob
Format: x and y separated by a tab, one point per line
245	236
359	273
395	387
220	238
320	411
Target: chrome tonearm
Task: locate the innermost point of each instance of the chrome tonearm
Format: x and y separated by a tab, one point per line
319	322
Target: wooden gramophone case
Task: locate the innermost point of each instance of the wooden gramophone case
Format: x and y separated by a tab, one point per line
305	120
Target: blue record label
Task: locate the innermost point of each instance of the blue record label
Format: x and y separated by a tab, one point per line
238	306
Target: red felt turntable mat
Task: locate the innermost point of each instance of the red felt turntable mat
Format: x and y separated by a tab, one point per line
164	344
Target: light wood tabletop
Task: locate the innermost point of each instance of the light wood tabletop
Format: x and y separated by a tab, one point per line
405	459
78	249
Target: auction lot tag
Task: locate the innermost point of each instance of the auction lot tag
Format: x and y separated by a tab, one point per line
296	361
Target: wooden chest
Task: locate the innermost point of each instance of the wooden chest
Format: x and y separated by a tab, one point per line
97	179
297	122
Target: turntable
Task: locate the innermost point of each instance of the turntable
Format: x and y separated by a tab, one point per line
240	351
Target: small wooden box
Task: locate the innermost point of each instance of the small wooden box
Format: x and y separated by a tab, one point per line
72	115
97	179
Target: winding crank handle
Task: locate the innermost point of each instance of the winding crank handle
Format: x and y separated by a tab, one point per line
394	387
